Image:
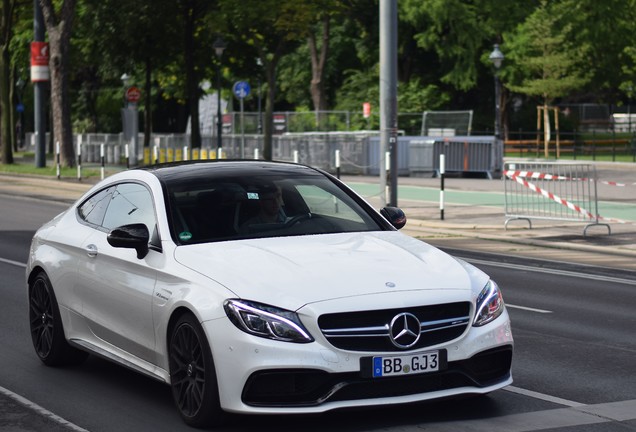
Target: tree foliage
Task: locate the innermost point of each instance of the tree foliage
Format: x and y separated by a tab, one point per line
272	29
314	54
601	32
546	66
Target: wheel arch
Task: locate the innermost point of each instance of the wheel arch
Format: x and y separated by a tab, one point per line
33	273
176	314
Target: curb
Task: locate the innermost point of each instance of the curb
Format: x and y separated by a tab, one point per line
471	231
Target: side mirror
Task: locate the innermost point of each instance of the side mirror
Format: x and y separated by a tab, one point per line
133	236
395	216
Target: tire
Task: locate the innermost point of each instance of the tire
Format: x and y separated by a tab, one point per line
45	323
192	374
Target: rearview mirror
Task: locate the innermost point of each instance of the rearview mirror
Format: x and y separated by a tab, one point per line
395	216
133	236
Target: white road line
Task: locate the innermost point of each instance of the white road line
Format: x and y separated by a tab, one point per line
572	417
42	411
543	397
15	263
542	311
552	271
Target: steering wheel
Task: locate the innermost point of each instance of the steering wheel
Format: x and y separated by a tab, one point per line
297	219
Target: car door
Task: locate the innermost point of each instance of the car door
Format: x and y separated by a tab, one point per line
116	287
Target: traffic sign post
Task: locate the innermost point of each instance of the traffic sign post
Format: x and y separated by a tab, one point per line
133	94
131	121
241	90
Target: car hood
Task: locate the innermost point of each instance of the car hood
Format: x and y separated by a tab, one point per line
290	272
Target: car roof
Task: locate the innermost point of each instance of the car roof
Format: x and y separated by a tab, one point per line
209	169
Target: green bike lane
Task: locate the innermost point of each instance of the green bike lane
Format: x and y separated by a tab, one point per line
610	210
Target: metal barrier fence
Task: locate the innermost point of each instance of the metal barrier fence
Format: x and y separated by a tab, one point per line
470	155
315	149
553	191
359	151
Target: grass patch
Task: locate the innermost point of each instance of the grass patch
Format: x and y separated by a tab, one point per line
48	171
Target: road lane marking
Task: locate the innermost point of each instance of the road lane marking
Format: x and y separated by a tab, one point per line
40	410
612	412
15	263
542	311
543	397
551	271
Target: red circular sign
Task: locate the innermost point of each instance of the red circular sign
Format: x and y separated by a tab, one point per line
133	94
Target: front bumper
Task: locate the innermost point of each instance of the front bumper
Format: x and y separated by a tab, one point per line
303	388
257	375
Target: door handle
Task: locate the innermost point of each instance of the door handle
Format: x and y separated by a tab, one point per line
91	250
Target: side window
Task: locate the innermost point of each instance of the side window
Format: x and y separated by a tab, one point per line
130	203
94	208
324	203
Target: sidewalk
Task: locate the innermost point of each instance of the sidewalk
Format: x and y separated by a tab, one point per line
466	225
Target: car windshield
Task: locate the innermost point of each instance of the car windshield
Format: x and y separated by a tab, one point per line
239	207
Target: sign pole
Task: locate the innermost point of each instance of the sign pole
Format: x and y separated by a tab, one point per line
242	132
241	90
39	84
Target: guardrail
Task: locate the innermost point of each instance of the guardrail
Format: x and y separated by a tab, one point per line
554	191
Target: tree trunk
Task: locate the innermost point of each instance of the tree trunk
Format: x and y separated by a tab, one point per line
59	30
148	103
12	111
5	106
192	82
270	72
268	123
318	59
6	84
91	86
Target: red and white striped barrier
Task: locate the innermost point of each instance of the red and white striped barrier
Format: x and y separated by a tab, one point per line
543	176
611	183
535	175
552	197
556	198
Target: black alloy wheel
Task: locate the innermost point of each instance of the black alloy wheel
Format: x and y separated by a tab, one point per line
192	374
47	332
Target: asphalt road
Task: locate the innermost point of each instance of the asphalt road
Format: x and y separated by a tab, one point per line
574	365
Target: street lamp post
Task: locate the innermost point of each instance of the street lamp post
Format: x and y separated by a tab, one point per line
496	57
125	79
20	126
130	120
219	46
259	62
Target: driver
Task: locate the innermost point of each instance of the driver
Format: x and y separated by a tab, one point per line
270	206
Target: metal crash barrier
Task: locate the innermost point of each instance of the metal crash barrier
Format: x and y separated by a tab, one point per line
469	155
553	191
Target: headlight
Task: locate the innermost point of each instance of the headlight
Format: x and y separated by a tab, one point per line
490	304
266	321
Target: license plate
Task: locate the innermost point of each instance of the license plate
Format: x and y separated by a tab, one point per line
411	364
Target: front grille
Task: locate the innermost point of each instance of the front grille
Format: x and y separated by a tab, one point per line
309	387
369	330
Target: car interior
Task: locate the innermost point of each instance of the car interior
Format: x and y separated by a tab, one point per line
220	212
